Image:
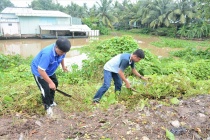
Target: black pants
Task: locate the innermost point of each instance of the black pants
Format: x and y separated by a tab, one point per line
46	93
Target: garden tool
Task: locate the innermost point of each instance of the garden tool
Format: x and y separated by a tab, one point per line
65	94
134	90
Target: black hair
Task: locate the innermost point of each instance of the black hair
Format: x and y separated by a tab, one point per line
139	53
63	44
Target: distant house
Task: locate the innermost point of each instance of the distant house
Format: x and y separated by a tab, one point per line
26	22
9	25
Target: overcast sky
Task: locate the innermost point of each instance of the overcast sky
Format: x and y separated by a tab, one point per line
90	3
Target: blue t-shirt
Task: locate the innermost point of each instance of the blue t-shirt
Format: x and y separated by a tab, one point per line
119	62
47	60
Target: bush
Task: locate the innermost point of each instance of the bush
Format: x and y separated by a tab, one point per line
191	54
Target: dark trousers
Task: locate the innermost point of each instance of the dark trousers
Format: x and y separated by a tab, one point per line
108	76
46	93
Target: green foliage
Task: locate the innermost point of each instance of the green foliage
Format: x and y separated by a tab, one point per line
94	24
104	14
196	63
173	85
141	31
165	31
191	54
150	65
73	77
178	66
162	16
200	69
91	22
174	101
169	135
132	99
103	30
10	61
172	43
5	4
108	100
203	8
43	5
76	10
7	99
104	51
198	30
177	43
169	78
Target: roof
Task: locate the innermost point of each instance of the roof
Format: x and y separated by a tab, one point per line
65	27
30	12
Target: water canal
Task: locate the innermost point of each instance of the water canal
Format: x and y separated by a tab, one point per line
30	47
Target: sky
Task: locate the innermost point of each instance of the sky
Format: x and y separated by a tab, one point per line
90	3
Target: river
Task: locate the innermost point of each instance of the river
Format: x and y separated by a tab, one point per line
30	47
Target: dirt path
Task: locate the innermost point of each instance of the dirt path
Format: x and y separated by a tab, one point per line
193	116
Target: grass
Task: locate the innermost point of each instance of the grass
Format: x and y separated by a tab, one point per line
177	43
19	92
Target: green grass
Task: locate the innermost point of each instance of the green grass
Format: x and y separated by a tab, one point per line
177	43
19	92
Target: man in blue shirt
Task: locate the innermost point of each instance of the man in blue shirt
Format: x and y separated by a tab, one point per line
115	67
43	67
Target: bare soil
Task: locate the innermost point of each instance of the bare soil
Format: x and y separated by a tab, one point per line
115	123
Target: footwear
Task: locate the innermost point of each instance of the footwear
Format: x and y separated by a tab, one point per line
95	102
53	104
49	112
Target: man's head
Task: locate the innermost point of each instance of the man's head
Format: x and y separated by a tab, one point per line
63	45
138	55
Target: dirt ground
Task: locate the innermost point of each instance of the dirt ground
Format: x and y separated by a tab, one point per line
190	120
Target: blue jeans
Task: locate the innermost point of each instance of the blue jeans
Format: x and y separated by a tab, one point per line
107	82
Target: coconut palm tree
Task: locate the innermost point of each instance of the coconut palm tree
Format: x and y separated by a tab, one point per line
203	7
75	10
4	4
43	5
183	13
120	10
155	13
92	11
104	13
136	14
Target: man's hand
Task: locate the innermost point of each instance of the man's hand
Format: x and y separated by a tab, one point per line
127	84
144	78
65	69
52	86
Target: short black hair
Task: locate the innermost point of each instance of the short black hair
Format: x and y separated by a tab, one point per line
63	44
139	53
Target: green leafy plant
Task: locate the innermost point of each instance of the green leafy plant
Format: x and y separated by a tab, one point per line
169	135
174	101
185	76
177	43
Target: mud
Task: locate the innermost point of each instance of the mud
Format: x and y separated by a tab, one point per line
117	122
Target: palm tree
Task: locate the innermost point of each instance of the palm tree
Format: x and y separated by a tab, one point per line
85	10
120	10
92	11
104	13
135	14
4	4
75	10
203	7
155	13
183	12
43	5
